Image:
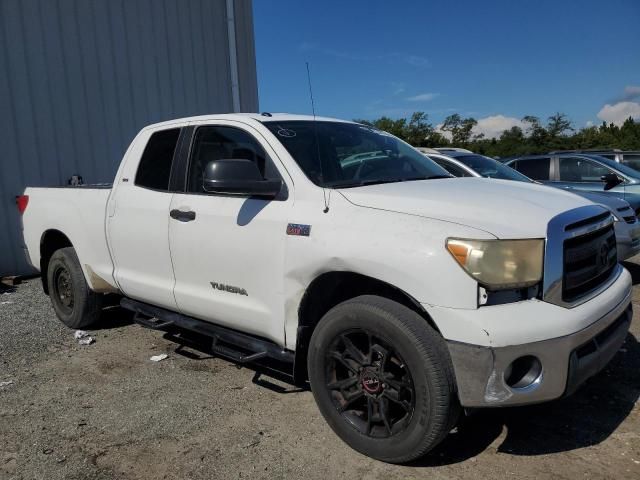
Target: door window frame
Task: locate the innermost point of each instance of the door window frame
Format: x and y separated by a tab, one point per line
133	179
186	149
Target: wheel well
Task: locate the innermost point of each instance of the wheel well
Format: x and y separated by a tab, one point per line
332	288
51	241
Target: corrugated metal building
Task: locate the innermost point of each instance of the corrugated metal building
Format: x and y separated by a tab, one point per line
79	78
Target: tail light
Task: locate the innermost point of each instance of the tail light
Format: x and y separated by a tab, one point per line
22	201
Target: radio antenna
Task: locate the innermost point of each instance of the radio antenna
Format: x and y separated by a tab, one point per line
315	132
313	106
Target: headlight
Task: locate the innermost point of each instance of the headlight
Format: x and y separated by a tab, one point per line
500	264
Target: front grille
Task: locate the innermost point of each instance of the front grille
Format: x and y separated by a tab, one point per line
588	261
587	221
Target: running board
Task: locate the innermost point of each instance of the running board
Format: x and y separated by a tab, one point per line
225	342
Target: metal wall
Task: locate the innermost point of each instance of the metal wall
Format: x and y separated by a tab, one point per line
79	78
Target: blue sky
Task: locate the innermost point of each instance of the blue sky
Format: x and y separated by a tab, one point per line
494	60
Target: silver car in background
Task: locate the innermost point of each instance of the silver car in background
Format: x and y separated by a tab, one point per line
464	163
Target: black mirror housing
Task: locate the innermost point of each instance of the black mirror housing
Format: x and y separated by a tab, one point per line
238	177
610	180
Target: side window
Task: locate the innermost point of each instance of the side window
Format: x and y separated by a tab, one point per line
535	168
218	143
632	160
577	169
155	164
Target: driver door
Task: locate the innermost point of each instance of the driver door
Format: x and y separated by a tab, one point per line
228	252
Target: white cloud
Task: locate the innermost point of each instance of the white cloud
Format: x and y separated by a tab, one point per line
492	126
423	97
619	112
444	133
589	123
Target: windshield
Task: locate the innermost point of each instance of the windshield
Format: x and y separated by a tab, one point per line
629	172
490	168
342	155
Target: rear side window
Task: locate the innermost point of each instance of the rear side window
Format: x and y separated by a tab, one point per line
155	165
537	169
632	160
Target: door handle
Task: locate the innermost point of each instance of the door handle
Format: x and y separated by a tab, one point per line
182	216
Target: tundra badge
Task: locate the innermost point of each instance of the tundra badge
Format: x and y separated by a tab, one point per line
229	288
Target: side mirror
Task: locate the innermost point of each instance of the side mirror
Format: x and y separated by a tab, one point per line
610	180
238	177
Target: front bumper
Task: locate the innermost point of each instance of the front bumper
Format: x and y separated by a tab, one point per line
566	361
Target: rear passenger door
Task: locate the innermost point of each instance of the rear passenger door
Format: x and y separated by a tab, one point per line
138	219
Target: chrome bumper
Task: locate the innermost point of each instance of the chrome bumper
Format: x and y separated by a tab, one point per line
566	362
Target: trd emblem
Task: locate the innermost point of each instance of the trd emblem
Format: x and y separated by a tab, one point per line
298	229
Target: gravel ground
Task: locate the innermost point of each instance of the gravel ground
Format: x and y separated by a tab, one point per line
105	411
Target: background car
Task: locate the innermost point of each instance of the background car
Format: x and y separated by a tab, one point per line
627	226
581	171
628	158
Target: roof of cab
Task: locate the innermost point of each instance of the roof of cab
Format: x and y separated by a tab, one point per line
260	117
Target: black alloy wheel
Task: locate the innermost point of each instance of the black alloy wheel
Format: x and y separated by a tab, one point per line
370	383
382	378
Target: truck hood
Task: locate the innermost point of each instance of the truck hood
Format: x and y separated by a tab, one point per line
503	208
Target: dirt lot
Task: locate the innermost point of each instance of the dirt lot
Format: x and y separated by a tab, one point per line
106	411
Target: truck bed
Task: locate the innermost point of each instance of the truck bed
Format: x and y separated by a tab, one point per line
79	213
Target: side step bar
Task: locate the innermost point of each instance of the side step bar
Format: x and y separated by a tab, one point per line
223	339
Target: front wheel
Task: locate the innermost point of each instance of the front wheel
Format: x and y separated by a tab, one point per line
383	379
73	301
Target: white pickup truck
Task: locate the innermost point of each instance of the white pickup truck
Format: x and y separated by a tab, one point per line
341	254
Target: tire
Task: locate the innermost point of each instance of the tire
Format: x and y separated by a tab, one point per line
393	398
73	301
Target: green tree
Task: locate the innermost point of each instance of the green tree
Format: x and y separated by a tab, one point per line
558	124
416	131
459	128
557	134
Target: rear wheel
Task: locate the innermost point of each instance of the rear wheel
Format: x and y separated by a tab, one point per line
383	379
73	301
